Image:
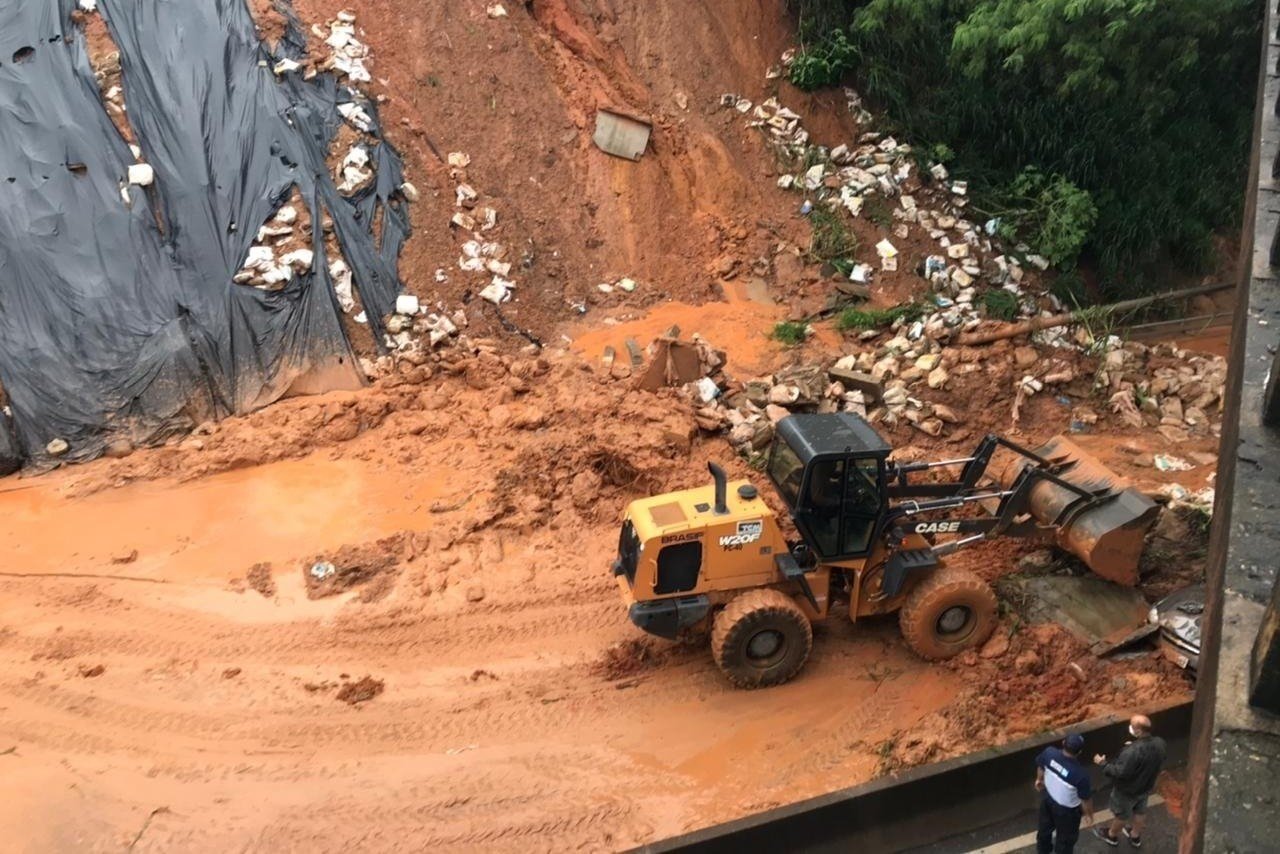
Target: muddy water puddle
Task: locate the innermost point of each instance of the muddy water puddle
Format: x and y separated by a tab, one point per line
216	527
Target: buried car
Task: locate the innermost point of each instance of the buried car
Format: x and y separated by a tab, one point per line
1177	617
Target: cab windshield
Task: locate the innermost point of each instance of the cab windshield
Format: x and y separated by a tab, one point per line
786	471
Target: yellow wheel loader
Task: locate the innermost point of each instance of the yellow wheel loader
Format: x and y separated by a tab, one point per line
872	538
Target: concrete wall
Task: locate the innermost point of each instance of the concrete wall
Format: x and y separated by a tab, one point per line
924	805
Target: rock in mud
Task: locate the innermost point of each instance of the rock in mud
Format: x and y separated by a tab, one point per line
360	691
585	488
997	646
118	449
1037	561
261	580
475	593
57	447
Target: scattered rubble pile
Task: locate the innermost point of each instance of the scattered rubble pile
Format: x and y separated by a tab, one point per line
479	255
908	379
1034	680
878	166
353	174
282	249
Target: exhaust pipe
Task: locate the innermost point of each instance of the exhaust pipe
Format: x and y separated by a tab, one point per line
717	474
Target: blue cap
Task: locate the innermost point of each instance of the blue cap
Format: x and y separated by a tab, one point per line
1074	742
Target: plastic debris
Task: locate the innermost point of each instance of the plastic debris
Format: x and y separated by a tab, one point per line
1167	462
322	570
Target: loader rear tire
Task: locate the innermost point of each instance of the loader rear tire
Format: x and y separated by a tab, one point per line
761	638
947	613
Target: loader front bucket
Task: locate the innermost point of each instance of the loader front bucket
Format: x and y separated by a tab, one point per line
1107	529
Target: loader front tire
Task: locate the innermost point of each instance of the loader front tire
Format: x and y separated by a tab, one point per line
761	638
947	613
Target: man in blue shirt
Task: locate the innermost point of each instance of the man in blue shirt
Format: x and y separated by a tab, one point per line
1067	791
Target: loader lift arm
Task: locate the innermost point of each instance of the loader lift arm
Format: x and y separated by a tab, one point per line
1011	516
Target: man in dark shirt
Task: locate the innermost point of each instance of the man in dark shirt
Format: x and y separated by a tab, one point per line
1133	775
1067	796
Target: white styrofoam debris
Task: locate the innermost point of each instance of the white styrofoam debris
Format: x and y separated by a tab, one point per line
340	273
141	174
355	116
298	259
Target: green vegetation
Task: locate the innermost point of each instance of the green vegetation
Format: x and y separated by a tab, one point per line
824	63
831	238
790	332
1112	130
875	318
1000	304
1050	213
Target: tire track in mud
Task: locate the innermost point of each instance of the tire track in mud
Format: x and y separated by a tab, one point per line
191	634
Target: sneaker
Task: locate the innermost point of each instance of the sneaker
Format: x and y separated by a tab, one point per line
1135	841
1100	831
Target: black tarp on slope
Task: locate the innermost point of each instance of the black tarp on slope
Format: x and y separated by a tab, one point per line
109	327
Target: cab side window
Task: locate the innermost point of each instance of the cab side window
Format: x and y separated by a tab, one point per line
823	494
862	498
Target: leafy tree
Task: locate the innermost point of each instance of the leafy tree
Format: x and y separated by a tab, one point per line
1140	110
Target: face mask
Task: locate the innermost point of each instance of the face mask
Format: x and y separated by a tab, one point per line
1132	731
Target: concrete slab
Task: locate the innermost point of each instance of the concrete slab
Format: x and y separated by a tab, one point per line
1100	613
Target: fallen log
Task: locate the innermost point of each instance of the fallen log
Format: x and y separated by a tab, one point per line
1035	324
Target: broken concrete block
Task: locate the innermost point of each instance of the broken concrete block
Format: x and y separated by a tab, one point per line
775	413
813	176
867	384
928	361
784	394
1024	357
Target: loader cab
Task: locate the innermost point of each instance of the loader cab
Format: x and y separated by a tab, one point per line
829	469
